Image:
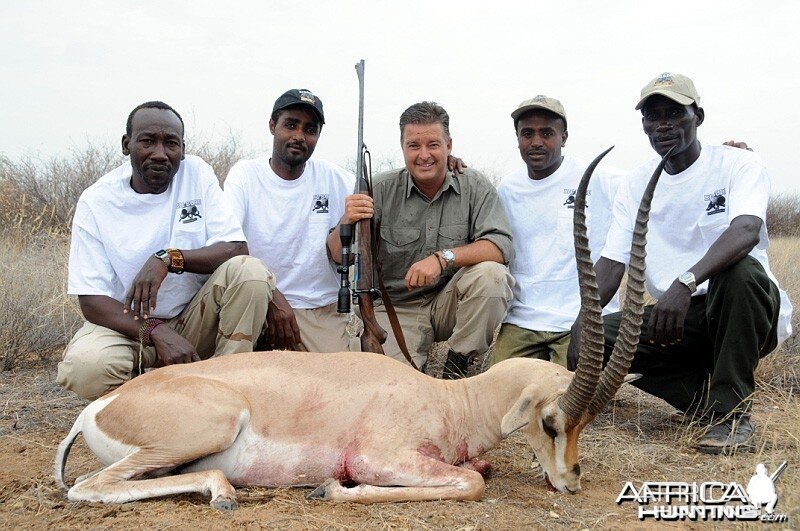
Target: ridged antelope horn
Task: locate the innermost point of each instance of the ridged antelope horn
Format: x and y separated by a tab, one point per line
631	323
590	363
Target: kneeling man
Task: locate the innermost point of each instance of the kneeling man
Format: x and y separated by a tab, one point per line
159	264
719	306
443	245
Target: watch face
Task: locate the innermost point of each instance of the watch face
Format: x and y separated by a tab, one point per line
448	255
686	277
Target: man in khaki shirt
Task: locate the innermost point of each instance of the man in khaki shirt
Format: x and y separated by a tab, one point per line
443	245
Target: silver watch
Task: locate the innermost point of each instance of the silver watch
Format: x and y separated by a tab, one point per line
449	258
163	255
688	280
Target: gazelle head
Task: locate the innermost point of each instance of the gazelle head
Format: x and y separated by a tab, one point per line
553	412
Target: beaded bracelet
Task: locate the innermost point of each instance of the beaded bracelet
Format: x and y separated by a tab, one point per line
146	329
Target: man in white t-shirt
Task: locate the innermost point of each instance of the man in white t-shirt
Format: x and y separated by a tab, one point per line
287	203
159	264
719	306
539	200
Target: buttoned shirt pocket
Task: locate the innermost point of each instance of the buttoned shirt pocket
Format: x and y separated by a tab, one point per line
397	250
453	235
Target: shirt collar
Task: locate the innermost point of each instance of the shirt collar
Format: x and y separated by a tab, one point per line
450	181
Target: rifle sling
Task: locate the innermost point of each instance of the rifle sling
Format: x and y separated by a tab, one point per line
398	332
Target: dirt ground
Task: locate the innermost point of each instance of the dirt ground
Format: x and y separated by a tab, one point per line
633	440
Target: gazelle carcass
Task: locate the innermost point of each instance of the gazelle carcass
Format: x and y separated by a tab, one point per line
360	426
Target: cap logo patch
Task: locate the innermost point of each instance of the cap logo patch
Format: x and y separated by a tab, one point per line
308	97
539	98
665	79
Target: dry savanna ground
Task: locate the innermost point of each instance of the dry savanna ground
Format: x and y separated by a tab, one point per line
633	440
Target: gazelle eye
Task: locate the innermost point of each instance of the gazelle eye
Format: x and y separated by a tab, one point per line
549	430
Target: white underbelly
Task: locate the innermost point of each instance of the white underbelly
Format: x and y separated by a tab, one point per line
253	460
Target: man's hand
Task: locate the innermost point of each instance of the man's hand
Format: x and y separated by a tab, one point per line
456	164
356	208
424	273
282	329
573	350
740	145
666	320
171	347
144	289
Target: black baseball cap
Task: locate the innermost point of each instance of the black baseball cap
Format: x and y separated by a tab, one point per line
300	97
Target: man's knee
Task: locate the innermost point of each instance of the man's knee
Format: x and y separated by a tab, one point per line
91	372
746	274
249	276
245	268
487	279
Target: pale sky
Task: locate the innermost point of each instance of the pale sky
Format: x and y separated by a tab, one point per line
72	70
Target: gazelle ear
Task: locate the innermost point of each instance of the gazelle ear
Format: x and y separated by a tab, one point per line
631	377
518	416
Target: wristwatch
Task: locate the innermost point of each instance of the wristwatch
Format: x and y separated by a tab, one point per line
449	258
688	280
163	255
172	258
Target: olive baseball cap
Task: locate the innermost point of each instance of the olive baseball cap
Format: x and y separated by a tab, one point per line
676	87
300	97
541	102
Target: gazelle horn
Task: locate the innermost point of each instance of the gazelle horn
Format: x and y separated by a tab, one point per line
633	309
590	363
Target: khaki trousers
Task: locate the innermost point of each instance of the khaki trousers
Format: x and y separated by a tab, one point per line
465	313
516	342
224	317
323	329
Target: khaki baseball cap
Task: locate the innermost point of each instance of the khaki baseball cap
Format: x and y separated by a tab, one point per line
676	87
541	102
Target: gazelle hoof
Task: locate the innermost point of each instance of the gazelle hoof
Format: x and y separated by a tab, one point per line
224	504
321	492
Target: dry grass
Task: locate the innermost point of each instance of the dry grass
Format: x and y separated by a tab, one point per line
783	215
36	317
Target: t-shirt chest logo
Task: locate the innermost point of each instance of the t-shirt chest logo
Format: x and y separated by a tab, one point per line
320	204
569	194
189	211
716	202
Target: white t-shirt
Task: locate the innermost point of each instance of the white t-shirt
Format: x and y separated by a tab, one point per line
689	212
546	294
287	224
115	230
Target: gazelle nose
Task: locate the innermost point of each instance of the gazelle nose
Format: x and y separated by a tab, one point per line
576	470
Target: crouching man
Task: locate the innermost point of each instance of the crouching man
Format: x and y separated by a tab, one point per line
443	245
720	309
159	264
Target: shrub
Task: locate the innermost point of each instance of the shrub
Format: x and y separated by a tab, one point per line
783	215
36	315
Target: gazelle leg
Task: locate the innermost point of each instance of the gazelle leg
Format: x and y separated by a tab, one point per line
418	478
112	485
210	425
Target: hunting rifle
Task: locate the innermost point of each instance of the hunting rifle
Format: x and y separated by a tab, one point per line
363	245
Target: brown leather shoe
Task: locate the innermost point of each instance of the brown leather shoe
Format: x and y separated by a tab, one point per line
736	434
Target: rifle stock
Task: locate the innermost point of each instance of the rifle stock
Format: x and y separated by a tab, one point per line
373	335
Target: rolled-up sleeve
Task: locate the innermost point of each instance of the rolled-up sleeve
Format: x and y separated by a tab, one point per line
489	221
